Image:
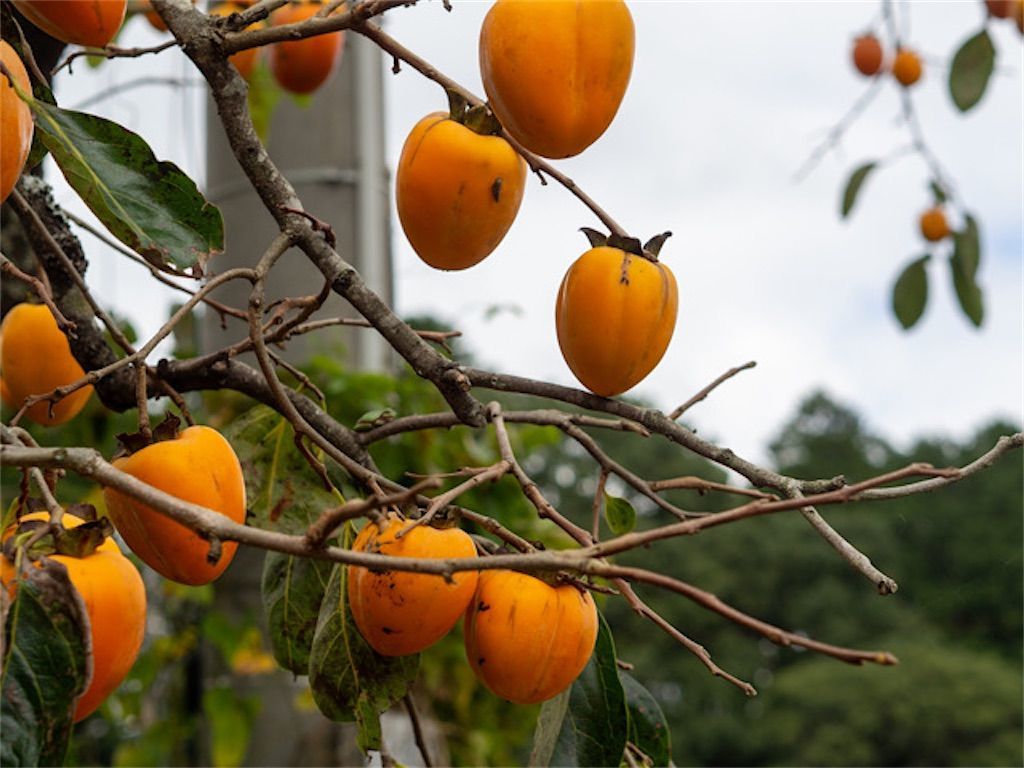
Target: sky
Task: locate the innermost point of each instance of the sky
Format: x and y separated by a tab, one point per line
726	102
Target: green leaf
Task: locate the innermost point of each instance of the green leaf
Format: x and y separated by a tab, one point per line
972	67
229	719
349	680
285	494
967	247
910	293
853	185
595	727
549	726
46	666
375	418
648	728
967	292
149	205
938	192
619	514
293	590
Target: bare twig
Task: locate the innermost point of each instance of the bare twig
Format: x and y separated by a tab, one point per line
417	729
708	389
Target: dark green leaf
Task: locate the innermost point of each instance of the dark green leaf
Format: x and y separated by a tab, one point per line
648	728
46	666
619	514
938	193
549	726
853	185
967	292
972	67
967	247
910	294
293	590
284	492
594	730
149	205
349	680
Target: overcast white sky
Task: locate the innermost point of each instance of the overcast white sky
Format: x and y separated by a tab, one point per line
726	102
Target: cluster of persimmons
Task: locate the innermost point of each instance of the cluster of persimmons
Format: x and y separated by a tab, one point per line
459	184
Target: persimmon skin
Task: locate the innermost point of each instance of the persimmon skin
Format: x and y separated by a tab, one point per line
35	358
115	600
555	71
16	126
302	66
934	225
526	640
906	67
457	191
80	22
615	315
867	55
198	466
398	612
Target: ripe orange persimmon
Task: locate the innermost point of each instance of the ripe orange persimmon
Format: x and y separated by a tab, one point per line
244	61
302	66
906	67
36	358
81	22
867	55
555	71
1001	9
458	191
115	602
934	226
398	612
526	640
16	124
198	466
615	315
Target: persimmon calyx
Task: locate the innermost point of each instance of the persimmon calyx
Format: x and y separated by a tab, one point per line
478	118
129	443
78	542
649	250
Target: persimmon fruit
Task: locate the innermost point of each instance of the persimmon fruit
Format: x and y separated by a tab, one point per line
198	466
867	55
16	126
35	358
1000	9
525	639
555	71
80	22
302	66
615	315
933	224
906	67
115	601
244	61
458	191
399	612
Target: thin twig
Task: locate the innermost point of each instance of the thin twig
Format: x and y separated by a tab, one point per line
417	729
708	389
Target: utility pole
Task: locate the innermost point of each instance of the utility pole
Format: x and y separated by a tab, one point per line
332	151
